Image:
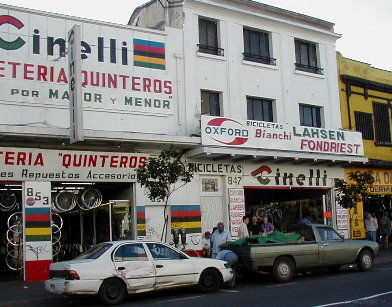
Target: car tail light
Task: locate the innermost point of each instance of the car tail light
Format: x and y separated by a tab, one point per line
72	275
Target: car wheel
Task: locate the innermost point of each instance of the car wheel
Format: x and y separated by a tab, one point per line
334	268
283	269
365	260
112	291
209	281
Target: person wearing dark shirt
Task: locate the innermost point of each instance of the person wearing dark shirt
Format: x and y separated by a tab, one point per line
254	227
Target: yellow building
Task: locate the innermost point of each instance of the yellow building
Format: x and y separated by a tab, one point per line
365	102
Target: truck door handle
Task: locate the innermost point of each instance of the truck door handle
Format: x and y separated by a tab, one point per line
159	266
121	268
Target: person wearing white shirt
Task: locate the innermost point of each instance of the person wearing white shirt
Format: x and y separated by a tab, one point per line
243	229
219	239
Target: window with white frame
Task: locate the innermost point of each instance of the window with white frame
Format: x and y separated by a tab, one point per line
306	57
208	37
257	47
310	116
259	109
210	103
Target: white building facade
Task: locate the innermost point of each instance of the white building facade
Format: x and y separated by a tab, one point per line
248	91
261	90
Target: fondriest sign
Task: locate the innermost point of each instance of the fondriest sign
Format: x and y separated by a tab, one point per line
221	131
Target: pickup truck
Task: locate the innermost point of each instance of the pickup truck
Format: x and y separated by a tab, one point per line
319	246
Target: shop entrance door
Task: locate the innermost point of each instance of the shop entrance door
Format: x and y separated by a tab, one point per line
211	202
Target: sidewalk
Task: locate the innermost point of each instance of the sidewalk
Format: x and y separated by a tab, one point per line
19	293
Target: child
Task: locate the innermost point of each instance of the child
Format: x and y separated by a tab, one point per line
207	245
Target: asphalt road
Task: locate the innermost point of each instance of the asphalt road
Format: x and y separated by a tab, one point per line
349	287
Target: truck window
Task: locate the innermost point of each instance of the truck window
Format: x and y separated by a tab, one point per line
304	230
328	234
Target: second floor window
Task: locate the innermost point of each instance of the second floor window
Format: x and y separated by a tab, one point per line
306	57
208	37
210	103
382	123
259	109
364	124
310	116
256	47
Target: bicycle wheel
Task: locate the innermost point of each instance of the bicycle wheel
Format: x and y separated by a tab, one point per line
90	199
13	238
260	213
7	201
15	218
56	236
14	264
64	201
56	249
57	222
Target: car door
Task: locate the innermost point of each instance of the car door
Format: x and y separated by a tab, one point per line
334	250
132	263
172	268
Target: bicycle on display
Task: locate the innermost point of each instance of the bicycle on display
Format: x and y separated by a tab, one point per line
271	210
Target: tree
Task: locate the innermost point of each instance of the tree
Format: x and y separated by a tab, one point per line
349	194
162	176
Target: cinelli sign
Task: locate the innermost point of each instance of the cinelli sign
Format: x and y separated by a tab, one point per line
33	66
220	131
27	164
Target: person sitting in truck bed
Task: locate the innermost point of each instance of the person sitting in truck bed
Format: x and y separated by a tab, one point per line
267	228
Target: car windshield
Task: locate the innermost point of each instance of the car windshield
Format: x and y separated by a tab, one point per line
95	251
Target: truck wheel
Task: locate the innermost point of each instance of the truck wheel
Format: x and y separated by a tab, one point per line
365	260
112	292
210	281
283	269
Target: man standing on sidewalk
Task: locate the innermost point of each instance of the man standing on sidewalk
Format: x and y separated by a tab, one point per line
371	227
219	239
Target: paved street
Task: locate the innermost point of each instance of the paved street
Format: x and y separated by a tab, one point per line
315	289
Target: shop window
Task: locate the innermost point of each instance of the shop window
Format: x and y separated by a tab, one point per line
382	122
306	57
208	37
310	116
210	103
257	47
259	109
130	252
364	124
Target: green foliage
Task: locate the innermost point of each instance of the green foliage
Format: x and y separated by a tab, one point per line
349	194
161	174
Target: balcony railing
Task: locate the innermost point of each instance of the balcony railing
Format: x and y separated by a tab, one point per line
259	59
308	68
211	50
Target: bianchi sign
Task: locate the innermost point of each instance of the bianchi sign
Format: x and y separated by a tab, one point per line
220	131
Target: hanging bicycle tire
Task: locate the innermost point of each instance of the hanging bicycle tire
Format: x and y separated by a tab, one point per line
7	201
64	201
89	199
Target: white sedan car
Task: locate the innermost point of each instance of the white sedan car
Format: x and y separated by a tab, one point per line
113	269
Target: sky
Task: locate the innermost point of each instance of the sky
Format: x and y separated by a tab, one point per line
366	25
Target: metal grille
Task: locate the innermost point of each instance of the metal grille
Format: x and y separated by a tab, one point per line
364	124
382	123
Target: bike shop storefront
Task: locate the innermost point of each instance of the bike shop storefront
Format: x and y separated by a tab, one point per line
290	194
54	204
